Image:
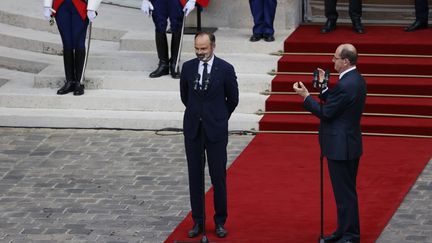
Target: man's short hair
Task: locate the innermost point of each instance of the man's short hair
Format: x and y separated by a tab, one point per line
210	35
350	55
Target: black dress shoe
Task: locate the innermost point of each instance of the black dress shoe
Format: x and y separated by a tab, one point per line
417	25
175	74
162	69
68	87
269	38
196	230
221	231
358	27
255	38
79	89
332	238
329	26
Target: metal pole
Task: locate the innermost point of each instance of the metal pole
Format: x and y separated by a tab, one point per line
87	53
181	43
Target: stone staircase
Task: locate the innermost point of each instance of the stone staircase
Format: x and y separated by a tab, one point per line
119	93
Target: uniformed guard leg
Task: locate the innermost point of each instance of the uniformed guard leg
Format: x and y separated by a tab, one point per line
79	66
162	50
68	61
175	44
257	9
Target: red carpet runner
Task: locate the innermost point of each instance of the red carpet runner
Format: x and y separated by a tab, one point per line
395	63
273	189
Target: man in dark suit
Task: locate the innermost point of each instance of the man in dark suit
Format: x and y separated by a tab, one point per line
340	137
209	90
263	12
355	12
422	15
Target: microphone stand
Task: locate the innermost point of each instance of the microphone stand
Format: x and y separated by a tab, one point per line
321	127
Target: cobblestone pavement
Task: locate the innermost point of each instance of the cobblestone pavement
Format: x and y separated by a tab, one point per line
412	222
93	185
64	185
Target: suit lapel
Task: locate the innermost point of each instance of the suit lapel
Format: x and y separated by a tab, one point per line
214	74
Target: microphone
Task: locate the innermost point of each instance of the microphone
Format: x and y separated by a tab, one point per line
315	80
206	82
326	79
196	81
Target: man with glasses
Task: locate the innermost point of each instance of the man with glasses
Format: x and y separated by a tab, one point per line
340	136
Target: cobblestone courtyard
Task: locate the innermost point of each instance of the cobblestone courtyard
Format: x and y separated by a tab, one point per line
65	185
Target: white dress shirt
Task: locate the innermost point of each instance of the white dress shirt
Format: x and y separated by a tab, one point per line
201	68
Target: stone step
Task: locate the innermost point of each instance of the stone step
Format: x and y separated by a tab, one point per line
77	118
22	105
372	13
26	61
248	63
37	23
139	80
41	41
19	93
227	41
113	100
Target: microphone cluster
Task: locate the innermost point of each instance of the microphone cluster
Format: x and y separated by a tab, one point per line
316	82
196	82
205	83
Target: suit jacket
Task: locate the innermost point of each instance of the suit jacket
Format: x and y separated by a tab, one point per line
340	130
212	107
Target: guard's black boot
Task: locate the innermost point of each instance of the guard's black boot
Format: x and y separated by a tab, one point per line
162	50
68	61
175	45
79	67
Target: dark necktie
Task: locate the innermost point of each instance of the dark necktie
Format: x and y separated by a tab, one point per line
205	75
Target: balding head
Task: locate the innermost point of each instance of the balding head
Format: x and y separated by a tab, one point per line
348	51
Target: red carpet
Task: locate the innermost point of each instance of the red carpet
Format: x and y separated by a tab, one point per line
378	39
407	78
273	188
375	85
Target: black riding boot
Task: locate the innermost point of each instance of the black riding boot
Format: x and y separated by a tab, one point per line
162	50
175	45
79	66
68	61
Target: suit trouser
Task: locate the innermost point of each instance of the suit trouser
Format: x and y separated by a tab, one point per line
216	159
355	9
343	174
422	10
263	12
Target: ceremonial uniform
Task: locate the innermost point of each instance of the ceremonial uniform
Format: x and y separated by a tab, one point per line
162	10
263	12
72	22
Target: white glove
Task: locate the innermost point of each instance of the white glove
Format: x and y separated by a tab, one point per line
47	13
147	7
91	15
189	7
